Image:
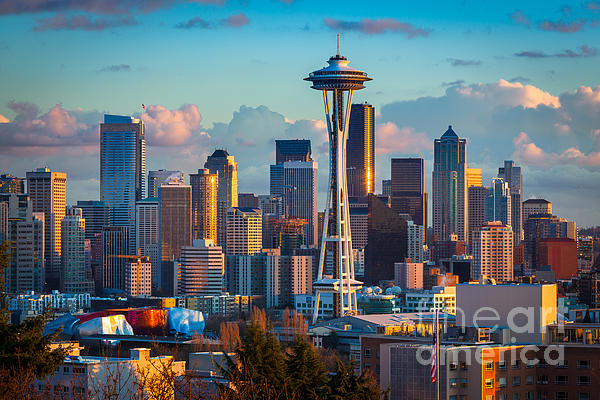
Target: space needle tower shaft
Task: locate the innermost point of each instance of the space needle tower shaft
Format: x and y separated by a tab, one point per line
338	82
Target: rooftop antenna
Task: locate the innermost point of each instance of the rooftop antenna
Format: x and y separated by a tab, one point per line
338	44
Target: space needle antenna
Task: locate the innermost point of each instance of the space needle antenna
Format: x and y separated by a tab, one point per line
338	44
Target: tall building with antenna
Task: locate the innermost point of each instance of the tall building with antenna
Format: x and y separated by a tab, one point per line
337	82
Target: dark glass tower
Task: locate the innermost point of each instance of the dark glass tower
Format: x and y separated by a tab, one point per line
408	189
360	150
292	150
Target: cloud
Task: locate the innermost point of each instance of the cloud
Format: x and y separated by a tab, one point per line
528	152
377	26
519	18
592	6
116	68
195	22
454	83
80	22
166	127
235	21
32	132
456	62
114	7
392	139
561	26
584	51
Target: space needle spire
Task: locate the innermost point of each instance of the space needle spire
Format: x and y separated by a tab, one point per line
338	82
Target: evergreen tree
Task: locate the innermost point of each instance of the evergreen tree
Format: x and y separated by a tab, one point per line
346	385
306	372
24	347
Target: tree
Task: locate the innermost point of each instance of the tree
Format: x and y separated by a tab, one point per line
305	371
24	347
347	385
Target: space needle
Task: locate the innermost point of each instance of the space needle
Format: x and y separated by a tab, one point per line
338	82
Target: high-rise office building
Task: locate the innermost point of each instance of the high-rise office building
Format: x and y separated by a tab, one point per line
272	209
408	189
535	206
224	165
247	200
416	235
473	177
408	274
360	150
512	175
204	204
157	178
11	184
498	202
493	252
387	242
560	254
476	207
244	230
450	186
74	277
299	191
386	187
138	276
359	222
175	223
585	253
3	221
147	235
25	238
47	193
115	242
292	150
202	269
122	169
96	215
539	227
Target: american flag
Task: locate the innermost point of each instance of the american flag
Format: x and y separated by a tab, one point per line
434	358
143	106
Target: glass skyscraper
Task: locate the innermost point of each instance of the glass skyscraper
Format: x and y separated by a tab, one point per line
449	186
512	175
360	150
122	169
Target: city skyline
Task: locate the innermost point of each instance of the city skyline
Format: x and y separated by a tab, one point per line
530	101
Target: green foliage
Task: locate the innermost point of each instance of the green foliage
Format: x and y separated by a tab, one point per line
306	372
24	346
346	385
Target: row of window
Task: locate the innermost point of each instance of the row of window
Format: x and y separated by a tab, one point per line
541	380
531	396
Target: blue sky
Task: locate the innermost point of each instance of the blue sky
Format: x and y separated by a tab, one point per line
433	64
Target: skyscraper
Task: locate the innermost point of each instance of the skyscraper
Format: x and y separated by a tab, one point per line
11	184
386	187
247	200
450	186
535	206
415	234
74	277
122	169
175	218
493	252
512	175
477	197
498	202
244	230
47	193
224	165
299	192
25	237
473	177
114	243
147	235
408	189
202	269
96	215
204	204
292	150
360	150
157	178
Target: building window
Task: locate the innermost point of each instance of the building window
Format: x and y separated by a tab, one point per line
453	383
502	365
583	396
529	380
542	380
502	382
561	396
516	396
489	365
516	381
489	397
583	364
463	382
584	380
516	364
563	364
367	352
529	396
489	383
561	380
502	396
453	366
463	365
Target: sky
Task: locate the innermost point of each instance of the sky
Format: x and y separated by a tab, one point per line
519	80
